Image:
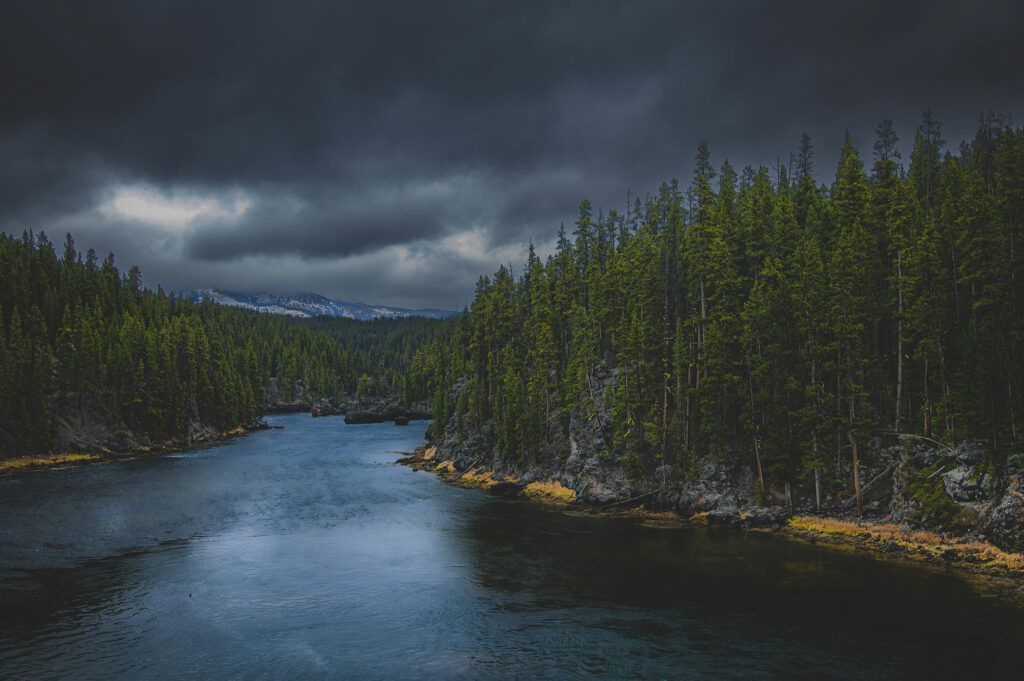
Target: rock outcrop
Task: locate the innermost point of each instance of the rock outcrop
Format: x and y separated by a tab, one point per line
1005	524
588	462
328	406
89	433
381	409
278	401
917	483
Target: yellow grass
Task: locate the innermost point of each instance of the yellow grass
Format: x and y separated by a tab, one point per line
699	518
55	460
429	453
920	540
478	478
446	466
852	529
551	490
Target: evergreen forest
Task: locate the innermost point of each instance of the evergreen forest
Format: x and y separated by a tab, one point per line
82	342
760	316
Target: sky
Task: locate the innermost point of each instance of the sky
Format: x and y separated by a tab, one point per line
393	152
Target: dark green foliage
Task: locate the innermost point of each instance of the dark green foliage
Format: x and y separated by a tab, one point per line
765	320
933	507
81	341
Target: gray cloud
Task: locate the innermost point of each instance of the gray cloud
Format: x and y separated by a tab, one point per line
361	131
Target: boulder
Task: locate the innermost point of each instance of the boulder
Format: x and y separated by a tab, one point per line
968	483
328	406
755	516
1005	526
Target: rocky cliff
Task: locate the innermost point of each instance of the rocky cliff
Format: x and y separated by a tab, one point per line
913	482
92	433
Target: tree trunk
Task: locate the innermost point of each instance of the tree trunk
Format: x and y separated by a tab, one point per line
926	414
703	320
945	389
856	473
1009	401
853	439
689	381
666	375
839	415
757	449
817	487
899	342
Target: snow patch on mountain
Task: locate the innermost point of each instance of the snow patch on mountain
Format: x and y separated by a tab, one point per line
305	305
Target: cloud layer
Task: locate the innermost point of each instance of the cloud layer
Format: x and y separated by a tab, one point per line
348	148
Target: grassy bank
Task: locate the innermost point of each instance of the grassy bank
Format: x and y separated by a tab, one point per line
547	491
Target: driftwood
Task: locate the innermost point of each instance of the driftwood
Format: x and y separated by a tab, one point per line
629	501
865	488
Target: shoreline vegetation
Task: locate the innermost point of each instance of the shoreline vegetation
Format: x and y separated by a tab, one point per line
754	347
874	537
364	410
99	455
88	354
753	350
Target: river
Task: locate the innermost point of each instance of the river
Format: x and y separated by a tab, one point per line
304	553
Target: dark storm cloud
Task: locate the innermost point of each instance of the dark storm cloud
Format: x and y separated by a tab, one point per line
330	228
354	128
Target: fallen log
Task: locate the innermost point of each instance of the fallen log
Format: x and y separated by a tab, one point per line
865	488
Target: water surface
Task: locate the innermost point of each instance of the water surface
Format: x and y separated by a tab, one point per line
304	553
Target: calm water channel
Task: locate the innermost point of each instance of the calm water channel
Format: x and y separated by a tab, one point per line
304	553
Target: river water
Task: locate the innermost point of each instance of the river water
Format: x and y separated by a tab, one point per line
304	553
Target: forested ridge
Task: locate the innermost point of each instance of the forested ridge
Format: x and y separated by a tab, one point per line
759	316
82	342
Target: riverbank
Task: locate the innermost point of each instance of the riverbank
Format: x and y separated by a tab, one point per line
881	540
103	454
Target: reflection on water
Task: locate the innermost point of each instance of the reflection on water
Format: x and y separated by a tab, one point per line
303	553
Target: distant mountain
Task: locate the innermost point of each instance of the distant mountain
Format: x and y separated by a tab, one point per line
305	305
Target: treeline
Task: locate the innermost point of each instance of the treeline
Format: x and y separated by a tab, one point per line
757	314
84	342
370	358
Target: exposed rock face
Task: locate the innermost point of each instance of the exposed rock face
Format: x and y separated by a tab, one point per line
329	406
918	483
277	401
966	484
717	487
1005	526
86	433
755	516
588	462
